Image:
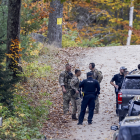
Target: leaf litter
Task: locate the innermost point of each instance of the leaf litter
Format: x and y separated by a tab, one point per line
57	124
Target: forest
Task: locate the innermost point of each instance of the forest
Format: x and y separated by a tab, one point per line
36	38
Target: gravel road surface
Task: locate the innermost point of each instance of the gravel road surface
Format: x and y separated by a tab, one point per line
108	60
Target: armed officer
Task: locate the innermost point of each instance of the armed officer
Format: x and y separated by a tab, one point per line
91	90
97	75
118	79
64	81
75	93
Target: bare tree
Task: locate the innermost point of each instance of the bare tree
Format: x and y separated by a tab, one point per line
130	22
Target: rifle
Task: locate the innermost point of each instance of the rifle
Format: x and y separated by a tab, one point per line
132	71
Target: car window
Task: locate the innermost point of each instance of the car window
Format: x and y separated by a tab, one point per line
131	83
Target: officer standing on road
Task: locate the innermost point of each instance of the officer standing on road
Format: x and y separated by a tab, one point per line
91	89
118	78
97	75
64	80
75	93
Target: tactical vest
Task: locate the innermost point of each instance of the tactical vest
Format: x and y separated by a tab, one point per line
67	79
95	75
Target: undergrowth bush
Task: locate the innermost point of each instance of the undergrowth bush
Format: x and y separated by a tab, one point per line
3	25
35	69
30	48
114	44
29	112
27	120
30	17
30	109
94	42
68	40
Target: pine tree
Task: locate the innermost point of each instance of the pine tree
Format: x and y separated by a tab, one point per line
6	82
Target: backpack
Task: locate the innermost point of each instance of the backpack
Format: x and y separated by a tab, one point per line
99	77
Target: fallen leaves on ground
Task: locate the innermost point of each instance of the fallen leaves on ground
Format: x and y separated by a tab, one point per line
57	125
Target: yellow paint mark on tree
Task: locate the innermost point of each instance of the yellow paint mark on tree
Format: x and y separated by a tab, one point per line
59	21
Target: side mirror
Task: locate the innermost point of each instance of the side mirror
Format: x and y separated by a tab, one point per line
114	127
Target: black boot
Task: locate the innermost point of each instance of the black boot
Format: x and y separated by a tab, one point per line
74	117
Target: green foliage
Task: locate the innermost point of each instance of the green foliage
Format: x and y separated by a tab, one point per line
27	119
29	18
68	40
6	80
35	69
51	0
3	25
6	83
136	24
46	20
28	115
88	1
114	44
94	42
4	111
29	45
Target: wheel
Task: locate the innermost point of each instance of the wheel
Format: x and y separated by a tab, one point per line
121	118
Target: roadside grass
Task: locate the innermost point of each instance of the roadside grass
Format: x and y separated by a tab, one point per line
38	102
31	99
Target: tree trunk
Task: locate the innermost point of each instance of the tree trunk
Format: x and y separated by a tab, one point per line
54	30
116	16
121	26
130	22
122	16
13	35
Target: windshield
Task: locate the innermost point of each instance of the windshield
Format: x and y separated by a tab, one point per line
131	83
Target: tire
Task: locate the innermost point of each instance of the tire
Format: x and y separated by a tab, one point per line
121	118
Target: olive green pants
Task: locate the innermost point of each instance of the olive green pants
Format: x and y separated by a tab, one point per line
76	102
96	110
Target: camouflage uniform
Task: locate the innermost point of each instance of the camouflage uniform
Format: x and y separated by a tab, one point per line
64	80
76	97
97	75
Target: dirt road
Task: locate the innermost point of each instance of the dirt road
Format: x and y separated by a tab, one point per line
108	60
